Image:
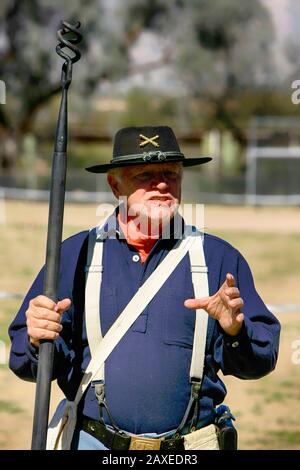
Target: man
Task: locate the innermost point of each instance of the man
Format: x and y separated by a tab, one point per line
147	379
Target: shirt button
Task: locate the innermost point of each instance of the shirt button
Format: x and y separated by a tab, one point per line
135	258
235	344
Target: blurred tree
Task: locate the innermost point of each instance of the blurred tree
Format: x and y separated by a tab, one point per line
216	48
31	69
29	66
143	107
292	43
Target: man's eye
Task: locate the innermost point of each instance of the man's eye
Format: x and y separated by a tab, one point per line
143	176
148	175
171	175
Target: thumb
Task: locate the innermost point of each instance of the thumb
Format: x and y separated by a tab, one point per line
240	318
196	303
230	281
63	305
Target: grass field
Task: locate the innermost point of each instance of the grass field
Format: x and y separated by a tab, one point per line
267	410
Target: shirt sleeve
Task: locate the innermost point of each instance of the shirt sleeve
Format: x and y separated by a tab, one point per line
23	358
253	352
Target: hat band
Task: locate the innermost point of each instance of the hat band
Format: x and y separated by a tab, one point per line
149	157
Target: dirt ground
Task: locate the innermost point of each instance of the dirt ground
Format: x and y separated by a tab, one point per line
268	409
216	218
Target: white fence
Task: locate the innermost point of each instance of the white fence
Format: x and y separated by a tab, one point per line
106	196
282	155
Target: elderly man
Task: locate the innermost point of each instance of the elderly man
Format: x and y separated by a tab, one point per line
150	389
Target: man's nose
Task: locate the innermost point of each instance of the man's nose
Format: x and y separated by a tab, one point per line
162	185
160	182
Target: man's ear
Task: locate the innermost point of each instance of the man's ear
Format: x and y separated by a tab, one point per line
114	184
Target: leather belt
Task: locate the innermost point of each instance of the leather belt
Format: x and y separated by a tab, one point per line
119	440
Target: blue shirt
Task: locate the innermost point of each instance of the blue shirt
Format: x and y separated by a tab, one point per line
147	374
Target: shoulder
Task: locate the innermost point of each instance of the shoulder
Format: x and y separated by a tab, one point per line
212	242
75	240
74	246
220	255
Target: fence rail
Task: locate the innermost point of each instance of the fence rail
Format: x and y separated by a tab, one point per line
78	196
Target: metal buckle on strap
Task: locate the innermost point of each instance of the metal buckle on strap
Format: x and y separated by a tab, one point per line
195	268
144	443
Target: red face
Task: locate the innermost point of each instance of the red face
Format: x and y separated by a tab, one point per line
153	191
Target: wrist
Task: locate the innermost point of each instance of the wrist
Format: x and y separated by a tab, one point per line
234	330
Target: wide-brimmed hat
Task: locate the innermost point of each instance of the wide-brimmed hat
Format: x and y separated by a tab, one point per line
140	145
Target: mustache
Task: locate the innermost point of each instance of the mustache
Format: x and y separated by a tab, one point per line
161	197
153	210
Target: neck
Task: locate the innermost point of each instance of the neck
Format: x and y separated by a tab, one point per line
146	229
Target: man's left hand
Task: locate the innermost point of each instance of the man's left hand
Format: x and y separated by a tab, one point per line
224	306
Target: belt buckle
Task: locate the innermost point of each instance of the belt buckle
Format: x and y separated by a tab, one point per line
144	443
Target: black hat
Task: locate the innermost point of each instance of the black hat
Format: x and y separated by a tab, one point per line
140	145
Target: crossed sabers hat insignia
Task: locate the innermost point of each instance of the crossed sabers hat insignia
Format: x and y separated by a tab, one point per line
149	140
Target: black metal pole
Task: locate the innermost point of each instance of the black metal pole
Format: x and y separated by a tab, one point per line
54	237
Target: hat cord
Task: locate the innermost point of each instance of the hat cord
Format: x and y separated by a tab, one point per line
149	156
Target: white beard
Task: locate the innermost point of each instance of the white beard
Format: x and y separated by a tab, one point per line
154	215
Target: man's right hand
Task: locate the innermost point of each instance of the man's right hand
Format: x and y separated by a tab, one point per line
43	318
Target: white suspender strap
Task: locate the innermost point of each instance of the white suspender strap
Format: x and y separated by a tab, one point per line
200	283
62	426
134	308
94	271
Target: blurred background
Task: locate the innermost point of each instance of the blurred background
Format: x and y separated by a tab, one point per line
223	75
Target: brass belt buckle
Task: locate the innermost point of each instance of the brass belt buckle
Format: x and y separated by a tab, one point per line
144	443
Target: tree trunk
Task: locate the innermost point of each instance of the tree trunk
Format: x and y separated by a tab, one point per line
10	149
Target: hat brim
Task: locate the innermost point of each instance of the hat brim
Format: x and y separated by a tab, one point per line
186	162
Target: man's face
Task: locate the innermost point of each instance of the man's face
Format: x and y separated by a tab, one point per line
153	191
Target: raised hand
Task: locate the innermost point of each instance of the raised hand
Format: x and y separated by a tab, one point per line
224	306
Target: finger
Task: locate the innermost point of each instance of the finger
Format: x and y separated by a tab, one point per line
63	305
44	324
240	317
230	281
236	304
196	303
42	301
232	292
224	297
41	312
38	333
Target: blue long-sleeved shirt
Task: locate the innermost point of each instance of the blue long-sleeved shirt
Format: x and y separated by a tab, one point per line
147	374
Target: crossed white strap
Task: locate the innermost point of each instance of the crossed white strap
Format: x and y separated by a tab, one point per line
94	271
63	423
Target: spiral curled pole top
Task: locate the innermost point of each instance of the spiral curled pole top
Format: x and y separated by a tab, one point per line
69	36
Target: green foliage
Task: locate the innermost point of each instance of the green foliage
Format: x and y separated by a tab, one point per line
279	439
217	52
82	155
145	109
